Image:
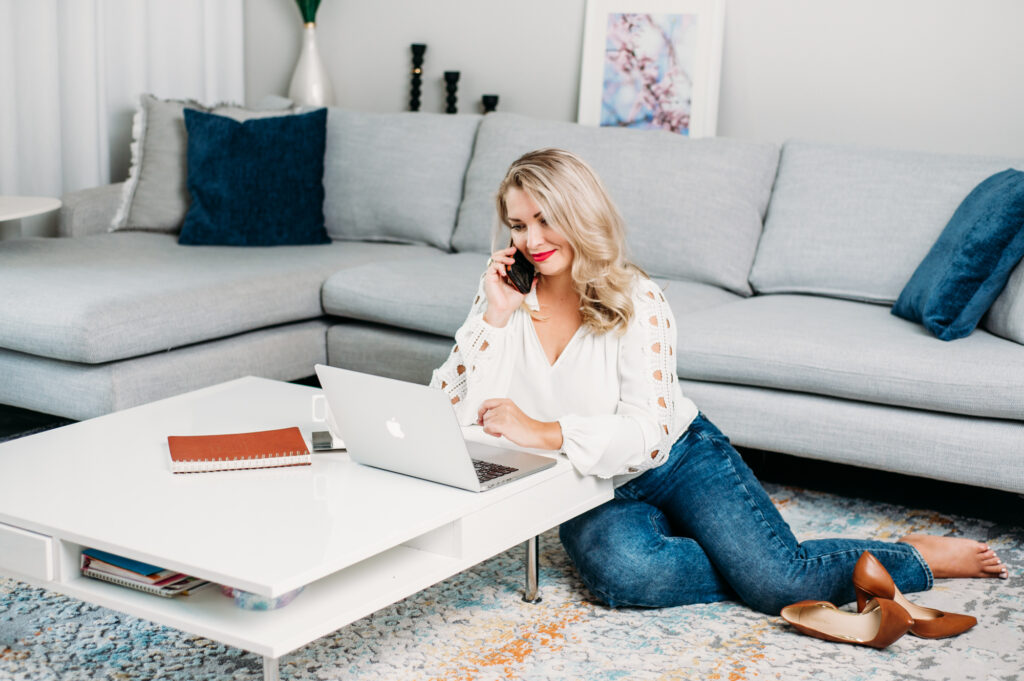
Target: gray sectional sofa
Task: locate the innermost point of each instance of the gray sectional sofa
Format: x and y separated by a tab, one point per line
779	263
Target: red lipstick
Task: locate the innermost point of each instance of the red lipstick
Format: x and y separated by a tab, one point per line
541	257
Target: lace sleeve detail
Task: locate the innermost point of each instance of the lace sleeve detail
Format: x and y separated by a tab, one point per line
659	340
477	346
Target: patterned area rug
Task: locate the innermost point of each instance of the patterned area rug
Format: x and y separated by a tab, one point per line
474	626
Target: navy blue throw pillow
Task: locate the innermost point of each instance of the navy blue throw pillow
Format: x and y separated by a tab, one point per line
969	265
257	182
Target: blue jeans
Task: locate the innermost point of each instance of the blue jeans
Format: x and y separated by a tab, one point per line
700	528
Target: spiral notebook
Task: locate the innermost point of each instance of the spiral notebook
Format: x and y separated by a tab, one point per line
237	451
136	575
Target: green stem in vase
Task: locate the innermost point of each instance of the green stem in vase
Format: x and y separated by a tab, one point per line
308	9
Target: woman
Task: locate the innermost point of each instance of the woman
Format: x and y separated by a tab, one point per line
585	363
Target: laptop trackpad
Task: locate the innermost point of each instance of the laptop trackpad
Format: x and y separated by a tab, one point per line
509	457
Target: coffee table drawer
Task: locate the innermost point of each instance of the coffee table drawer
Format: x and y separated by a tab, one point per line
26	553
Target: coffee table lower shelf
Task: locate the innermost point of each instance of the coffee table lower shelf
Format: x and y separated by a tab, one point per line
323	607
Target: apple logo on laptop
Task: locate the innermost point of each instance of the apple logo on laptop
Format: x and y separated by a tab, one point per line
395	428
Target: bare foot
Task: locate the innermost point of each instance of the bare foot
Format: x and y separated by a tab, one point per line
957	557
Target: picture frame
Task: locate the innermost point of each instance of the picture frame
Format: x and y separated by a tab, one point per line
652	64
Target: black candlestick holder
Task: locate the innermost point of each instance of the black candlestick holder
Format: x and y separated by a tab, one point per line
490	103
451	84
417	76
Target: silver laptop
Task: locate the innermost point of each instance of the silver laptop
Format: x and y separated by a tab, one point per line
411	429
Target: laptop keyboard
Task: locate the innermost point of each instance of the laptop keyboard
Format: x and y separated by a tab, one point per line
486	470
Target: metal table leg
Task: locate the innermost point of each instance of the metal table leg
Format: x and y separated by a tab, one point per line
532	594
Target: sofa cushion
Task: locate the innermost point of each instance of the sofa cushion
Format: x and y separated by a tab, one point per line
687	297
255	183
386	351
693	207
155	197
962	449
853	222
82	391
111	296
969	265
431	293
445	286
395	176
851	350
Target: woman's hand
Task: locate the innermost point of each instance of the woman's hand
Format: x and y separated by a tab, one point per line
502	417
502	297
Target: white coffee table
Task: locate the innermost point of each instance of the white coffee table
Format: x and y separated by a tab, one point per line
356	538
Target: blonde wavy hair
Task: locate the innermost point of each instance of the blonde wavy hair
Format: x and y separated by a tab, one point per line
575	202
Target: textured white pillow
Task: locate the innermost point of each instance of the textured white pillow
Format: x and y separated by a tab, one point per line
156	197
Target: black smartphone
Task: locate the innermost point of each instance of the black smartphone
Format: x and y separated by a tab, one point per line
521	273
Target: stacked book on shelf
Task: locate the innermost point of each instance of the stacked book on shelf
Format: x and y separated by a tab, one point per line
135	575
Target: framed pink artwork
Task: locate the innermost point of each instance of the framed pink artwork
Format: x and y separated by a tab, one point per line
652	64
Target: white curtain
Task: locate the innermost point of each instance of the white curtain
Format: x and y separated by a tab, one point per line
71	72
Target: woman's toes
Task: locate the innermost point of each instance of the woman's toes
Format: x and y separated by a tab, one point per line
956	557
995	569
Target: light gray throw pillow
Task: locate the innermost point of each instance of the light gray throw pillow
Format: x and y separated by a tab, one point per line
1006	316
395	176
155	197
854	222
693	208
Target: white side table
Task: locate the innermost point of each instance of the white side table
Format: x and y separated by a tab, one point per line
17	207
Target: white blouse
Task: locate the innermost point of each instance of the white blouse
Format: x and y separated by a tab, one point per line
616	397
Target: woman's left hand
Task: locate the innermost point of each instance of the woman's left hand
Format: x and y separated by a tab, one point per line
502	417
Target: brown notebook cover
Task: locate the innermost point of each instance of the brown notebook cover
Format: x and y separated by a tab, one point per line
237	451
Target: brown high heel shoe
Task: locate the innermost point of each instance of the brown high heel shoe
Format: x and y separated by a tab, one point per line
872	580
880	623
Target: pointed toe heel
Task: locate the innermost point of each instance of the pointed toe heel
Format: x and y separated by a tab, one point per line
872	580
881	623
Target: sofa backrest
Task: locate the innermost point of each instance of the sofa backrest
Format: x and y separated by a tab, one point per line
395	176
853	222
693	208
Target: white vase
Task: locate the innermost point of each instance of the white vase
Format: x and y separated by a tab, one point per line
311	86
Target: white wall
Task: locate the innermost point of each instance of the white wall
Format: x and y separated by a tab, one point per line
525	51
939	75
943	75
